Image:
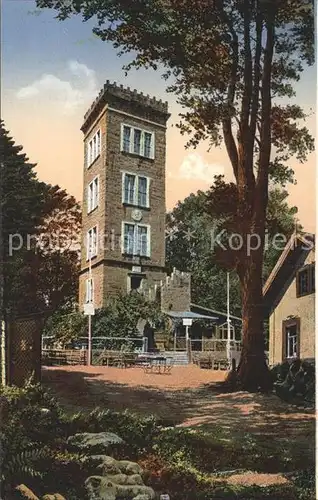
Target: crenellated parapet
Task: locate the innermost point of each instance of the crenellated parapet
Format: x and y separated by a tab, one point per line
112	91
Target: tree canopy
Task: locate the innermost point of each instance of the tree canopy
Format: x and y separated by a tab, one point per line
188	248
40	229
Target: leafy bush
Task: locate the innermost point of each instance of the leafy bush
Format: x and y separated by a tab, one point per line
195	449
295	381
138	432
32	432
184	483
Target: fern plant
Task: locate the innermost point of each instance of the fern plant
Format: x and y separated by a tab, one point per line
20	467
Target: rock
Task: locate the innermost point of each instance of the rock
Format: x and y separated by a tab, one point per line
141	497
23	492
94	443
55	496
128	467
106	488
100	488
135	479
102	463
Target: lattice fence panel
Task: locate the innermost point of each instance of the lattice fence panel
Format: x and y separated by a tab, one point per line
24	350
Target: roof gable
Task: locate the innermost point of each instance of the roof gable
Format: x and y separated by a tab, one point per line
291	259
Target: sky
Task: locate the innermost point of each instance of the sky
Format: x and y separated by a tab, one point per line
51	72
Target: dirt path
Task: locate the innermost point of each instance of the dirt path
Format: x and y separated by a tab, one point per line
188	397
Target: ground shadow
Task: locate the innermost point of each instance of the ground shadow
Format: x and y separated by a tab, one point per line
270	421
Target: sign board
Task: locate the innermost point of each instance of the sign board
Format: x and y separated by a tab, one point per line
136	269
187	322
89	309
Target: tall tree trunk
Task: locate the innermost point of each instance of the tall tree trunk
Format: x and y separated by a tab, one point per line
253	372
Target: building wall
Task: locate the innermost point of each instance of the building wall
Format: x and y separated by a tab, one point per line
118	163
110	269
176	292
290	305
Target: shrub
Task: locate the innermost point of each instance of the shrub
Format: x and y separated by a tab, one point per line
138	432
295	381
195	448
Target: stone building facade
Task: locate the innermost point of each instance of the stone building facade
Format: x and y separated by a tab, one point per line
124	206
290	296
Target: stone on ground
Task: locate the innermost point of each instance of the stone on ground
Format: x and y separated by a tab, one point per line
105	488
24	493
94	443
54	496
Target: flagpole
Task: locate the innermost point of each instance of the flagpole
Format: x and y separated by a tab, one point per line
228	343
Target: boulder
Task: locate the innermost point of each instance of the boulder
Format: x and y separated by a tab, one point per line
54	496
100	488
102	463
24	493
93	443
106	488
128	467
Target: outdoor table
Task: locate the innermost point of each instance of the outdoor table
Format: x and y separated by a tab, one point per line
157	364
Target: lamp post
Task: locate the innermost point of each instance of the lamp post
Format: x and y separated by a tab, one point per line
90	312
228	342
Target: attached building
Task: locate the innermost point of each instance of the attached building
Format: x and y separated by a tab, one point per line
289	296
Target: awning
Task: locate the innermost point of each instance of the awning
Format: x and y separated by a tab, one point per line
188	315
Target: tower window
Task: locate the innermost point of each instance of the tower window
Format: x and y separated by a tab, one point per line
136	239
137	141
135	190
92	194
91	250
93	148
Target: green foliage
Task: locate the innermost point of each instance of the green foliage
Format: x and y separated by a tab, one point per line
65	326
138	432
120	318
23	465
295	381
40	222
184	483
196	253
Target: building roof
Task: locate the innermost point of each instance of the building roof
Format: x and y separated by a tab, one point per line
188	315
218	314
292	258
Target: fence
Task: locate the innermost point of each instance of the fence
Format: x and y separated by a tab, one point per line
215	345
105	350
23	356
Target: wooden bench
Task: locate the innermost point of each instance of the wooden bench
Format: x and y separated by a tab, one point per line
64	356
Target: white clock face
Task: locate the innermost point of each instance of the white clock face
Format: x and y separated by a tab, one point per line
136	215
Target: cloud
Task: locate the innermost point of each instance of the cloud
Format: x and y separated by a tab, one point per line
71	94
194	167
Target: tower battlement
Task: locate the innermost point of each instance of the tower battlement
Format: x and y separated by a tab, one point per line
112	90
174	291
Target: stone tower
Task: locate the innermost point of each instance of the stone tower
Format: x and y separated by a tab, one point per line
123	226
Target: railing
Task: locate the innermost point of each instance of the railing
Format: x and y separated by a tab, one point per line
53	357
214	345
